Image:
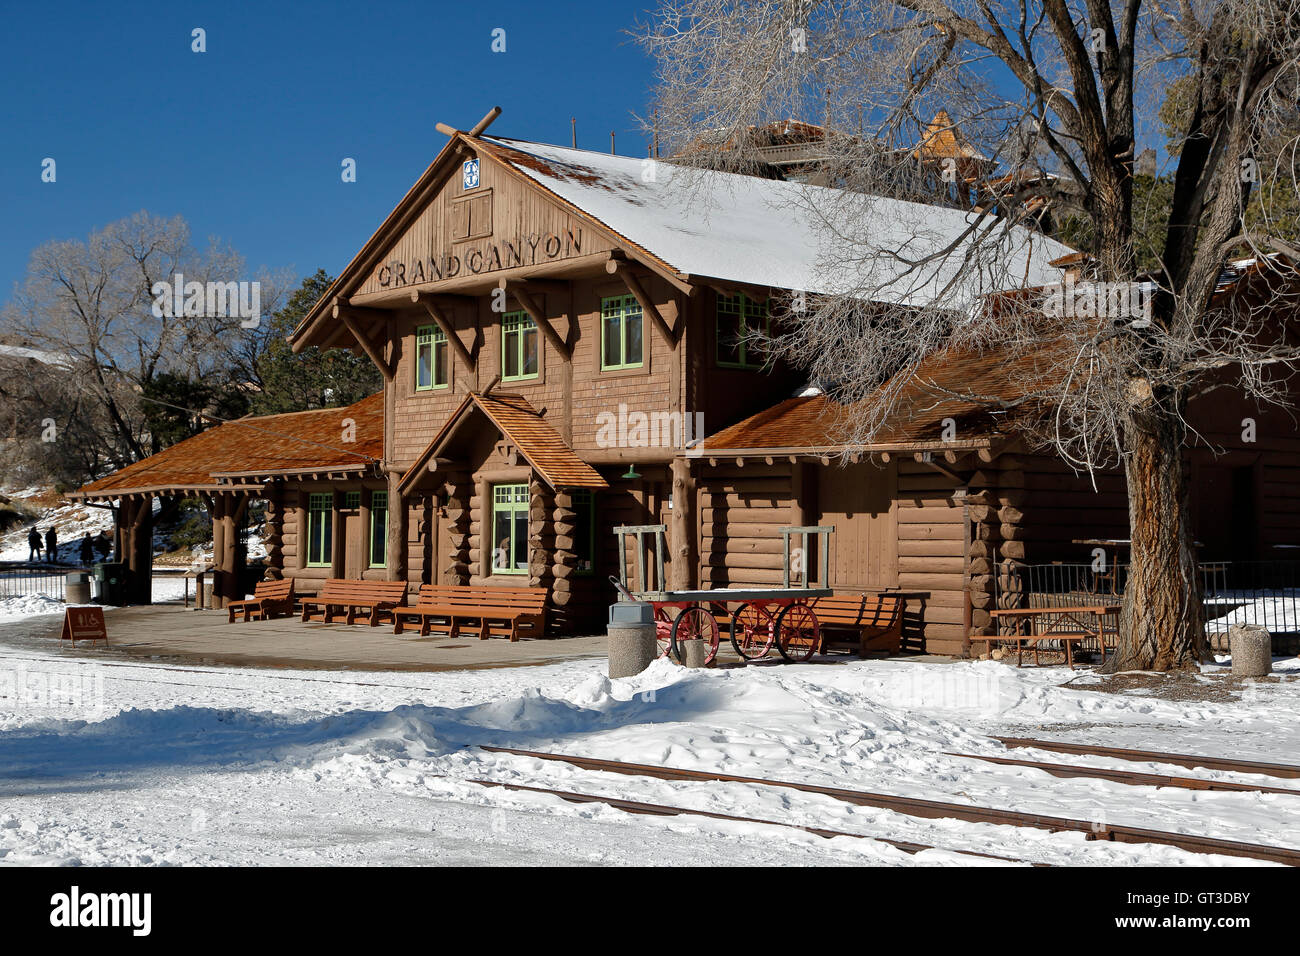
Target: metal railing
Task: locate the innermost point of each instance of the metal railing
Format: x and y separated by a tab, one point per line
1264	593
23	580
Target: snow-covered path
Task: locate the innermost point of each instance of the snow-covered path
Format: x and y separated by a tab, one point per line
108	761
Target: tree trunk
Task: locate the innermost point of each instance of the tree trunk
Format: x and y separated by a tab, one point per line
1160	625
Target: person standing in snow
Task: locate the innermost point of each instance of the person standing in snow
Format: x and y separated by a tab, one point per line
34	544
87	550
103	545
51	545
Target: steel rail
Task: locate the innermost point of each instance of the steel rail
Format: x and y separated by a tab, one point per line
1132	777
1156	756
662	810
935	809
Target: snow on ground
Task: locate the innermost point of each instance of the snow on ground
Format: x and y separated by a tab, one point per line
107	760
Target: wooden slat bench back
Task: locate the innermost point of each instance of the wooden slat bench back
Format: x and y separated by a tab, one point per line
378	598
269	599
876	621
504	611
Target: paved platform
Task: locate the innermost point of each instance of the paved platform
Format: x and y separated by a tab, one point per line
174	633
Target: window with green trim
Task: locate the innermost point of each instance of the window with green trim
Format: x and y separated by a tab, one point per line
519	358
379	529
739	320
431	369
320	530
352	500
510	529
621	344
584	530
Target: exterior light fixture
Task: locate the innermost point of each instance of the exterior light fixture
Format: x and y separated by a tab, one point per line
632	472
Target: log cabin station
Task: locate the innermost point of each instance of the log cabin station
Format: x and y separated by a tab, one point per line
561	335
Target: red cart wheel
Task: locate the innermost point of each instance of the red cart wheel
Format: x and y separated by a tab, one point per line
692	624
752	632
798	635
663	631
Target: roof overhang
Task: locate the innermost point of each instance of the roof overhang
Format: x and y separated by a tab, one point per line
318	327
546	452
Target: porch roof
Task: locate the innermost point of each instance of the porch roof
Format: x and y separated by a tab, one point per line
520	424
817	424
262	446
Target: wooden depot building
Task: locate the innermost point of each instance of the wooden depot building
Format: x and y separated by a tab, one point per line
561	335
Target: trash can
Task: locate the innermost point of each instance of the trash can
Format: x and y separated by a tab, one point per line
631	632
76	587
111	584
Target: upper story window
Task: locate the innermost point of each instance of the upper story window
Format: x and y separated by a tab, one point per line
621	343
739	319
519	358
430	358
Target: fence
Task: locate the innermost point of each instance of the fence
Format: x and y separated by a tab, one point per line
20	581
1265	593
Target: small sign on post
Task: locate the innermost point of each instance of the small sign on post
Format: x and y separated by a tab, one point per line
84	624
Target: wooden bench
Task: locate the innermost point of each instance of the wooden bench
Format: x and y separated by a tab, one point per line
503	611
376	598
1069	625
876	621
270	598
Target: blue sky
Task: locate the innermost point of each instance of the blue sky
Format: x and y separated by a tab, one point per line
246	140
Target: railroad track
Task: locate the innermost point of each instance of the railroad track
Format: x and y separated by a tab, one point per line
663	810
1154	756
935	809
1131	777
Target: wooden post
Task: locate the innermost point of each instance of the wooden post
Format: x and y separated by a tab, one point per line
683	526
229	549
397	514
218	550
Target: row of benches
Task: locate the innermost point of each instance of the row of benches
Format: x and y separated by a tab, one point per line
509	612
851	622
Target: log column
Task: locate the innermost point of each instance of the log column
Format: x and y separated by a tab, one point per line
397	522
564	561
541	533
219	506
981	558
231	559
1010	502
683	553
456	570
275	527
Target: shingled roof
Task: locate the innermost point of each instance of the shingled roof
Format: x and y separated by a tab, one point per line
521	425
816	423
256	447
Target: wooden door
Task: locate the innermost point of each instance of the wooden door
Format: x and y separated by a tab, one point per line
354	545
859	502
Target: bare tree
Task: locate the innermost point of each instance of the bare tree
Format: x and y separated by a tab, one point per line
101	309
1060	93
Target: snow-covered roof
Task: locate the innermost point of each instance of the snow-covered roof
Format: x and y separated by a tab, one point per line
39	355
787	235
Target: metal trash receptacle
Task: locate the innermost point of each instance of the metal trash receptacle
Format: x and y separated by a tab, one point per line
76	587
111	581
